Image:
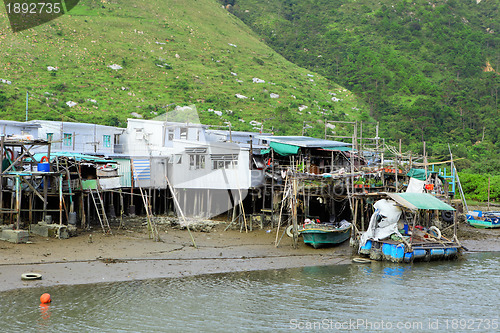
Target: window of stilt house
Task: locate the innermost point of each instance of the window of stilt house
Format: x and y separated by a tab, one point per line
106	141
196	162
224	161
184	133
67	139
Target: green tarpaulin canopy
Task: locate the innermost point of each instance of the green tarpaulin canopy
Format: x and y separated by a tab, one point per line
338	148
419	173
284	149
416	201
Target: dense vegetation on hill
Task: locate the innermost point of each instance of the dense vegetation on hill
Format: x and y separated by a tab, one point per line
424	70
106	61
427	69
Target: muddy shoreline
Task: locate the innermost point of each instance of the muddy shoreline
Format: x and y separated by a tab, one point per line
130	254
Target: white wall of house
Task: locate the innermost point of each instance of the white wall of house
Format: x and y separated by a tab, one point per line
157	138
18	129
184	153
211	166
150	144
79	137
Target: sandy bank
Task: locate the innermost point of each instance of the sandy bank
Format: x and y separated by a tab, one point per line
130	254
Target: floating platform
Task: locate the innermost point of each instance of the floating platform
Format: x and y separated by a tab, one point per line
398	252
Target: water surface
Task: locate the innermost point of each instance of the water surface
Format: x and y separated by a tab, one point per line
454	296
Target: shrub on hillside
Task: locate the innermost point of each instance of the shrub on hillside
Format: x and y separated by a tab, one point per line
475	186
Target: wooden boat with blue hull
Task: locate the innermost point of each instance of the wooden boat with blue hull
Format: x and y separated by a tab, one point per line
325	234
484	220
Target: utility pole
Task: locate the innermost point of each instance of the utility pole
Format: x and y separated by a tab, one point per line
27	105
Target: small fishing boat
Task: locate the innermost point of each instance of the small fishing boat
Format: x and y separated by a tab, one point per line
325	234
484	220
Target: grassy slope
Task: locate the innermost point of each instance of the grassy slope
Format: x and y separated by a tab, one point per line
418	64
190	39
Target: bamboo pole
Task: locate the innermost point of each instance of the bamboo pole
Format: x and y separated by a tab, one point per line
60	198
152	228
46	177
242	209
2	147
272	187
281	212
180	210
425	161
121	208
18	201
294	213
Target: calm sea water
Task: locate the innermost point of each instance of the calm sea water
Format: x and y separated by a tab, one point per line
457	296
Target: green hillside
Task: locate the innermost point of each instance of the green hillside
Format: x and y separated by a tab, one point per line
428	70
173	51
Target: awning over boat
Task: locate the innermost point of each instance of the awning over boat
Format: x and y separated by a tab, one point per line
416	201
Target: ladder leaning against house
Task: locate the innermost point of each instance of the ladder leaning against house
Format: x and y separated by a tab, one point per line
99	208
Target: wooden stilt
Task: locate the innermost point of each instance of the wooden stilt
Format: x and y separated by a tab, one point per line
30	207
18	201
362	203
209	204
83	217
185	201
281	212
272	188
121	208
294	213
1	174
60	199
180	211
195	205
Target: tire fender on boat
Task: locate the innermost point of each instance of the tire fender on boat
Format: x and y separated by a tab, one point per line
289	232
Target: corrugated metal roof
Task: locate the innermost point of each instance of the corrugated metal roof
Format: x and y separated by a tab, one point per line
59	124
19	124
125	172
74	156
305	141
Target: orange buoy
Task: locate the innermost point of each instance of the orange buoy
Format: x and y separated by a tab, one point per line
45	298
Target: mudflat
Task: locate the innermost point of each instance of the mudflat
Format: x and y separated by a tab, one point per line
130	254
